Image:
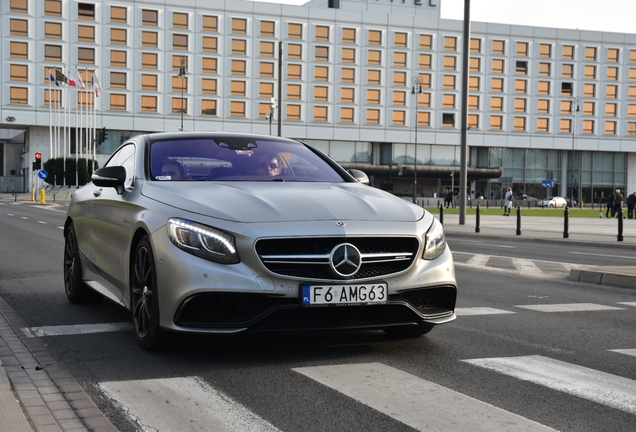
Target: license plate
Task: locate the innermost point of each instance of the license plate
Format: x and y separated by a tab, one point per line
344	294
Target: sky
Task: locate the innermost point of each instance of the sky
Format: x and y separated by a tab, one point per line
601	15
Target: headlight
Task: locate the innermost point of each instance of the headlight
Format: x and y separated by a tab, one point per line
203	241
435	241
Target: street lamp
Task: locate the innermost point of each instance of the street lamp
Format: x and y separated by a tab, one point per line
574	108
182	74
416	89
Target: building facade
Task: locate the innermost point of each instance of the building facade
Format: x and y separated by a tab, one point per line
376	84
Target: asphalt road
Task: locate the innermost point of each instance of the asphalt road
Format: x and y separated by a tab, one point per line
529	348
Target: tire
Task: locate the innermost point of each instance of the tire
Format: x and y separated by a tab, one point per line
76	289
408	331
145	297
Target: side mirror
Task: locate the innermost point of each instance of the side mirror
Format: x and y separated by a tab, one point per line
112	176
359	176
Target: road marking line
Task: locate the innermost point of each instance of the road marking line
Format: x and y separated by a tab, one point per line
568	307
627	303
418	403
525	267
24	217
480	311
67	330
596	386
631	352
183	404
478	260
603	255
42	222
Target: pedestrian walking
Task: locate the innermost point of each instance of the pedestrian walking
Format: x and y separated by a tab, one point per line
448	199
508	202
609	202
618	202
631	203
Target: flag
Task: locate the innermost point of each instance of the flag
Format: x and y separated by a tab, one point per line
97	85
71	80
80	83
60	77
52	78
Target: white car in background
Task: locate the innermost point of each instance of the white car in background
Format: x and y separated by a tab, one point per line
553	202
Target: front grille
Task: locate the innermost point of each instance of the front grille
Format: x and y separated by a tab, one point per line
308	258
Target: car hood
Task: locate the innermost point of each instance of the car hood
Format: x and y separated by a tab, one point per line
283	201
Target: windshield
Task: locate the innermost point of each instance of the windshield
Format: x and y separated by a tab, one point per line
237	158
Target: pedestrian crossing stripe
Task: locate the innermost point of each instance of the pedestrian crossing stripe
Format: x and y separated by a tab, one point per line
631	352
569	307
480	311
596	386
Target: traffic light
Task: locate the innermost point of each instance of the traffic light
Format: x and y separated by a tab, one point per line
37	163
102	134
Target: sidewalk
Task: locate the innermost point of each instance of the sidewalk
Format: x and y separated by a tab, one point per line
36	394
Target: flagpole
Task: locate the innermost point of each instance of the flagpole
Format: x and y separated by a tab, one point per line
50	117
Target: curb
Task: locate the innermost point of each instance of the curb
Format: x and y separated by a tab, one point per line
622	277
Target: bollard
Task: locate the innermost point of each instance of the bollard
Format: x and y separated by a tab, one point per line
518	220
487	204
441	214
566	222
42	196
477	219
620	225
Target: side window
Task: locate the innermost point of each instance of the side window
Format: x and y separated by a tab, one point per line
125	157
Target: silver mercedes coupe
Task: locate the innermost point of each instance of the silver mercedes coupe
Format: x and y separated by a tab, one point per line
204	232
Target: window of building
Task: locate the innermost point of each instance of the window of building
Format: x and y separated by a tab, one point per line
631	128
52	97
267	49
521	86
118	58
399	78
238	67
148	60
475	64
399	39
567	89
53	52
118	14
346	115
590	53
475	45
267	28
496	122
179	41
150	17
448	120
237	109
521	68
18	27
522	49
399	98
239	26
149	103
85	55
612	55
450	43
348	55
18	95
590	72
426	41
373	76
423	119
86	11
568	52
210	23
424	80
373	96
322	33
19	50
588	126
566	126
264	109
237	88
239	46
117	101
425	61
294	71
266	89
208	107
293	112
567	71
544	69
86	33
293	91
117	36
610	128
209	44
399	59
589	90
498	47
373	116
348	35
545	50
322	53
52	30
449	81
321	93
118	80
566	106
179	84
19	72
448	101
473	102
320	113
149	39
496	103
612	73
321	73
588	108
294	51
631	92
375	37
208	65
632	56
497	84
398	117
520	124
543	87
450	62
179	20
51	7
348	75
543	106
543	125
294	31
474	83
148	82
374	57
473	121
520	105
497	66
18	6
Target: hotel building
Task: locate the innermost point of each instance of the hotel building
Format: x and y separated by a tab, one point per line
376	84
